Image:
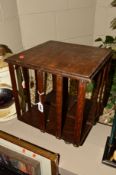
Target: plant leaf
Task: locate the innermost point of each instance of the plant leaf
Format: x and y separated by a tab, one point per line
109	39
101	45
98	39
113	24
113	3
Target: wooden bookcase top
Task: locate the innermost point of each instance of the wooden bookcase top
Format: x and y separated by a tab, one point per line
66	59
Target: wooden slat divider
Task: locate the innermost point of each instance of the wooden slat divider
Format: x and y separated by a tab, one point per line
40	89
59	93
14	87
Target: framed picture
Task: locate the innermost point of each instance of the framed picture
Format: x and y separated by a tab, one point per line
24	158
109	156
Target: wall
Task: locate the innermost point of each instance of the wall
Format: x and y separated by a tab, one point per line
64	20
103	16
9	25
78	21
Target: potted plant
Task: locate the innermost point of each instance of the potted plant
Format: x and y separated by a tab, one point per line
110	42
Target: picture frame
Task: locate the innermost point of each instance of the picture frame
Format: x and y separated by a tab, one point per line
39	161
109	156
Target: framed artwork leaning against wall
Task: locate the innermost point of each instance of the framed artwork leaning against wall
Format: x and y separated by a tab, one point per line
24	158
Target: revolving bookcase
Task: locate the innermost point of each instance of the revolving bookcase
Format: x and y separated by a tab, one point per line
58	111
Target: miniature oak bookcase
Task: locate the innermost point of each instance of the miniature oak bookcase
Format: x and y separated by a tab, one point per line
58	112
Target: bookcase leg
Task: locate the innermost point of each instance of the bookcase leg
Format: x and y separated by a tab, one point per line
79	111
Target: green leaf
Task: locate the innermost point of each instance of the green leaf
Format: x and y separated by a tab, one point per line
113	3
109	106
90	87
98	39
101	45
109	39
113	24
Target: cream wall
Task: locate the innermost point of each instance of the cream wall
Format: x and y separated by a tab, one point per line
9	25
64	20
78	21
103	16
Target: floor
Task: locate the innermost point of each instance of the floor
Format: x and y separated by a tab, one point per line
83	160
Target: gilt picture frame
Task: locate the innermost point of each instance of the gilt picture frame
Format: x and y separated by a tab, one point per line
20	152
